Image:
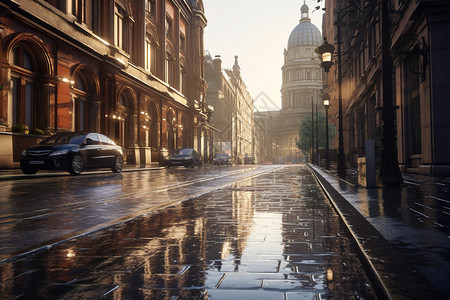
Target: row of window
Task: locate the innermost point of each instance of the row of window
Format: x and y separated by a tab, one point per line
302	74
89	13
297	99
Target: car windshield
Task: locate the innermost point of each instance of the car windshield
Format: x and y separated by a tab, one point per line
183	151
65	139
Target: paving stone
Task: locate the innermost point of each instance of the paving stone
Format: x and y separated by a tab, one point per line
272	237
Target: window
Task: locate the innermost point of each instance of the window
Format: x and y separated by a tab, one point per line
93	139
169	28
22	86
105	140
148	53
119	15
150	8
183	80
414	108
171	69
79	10
182	43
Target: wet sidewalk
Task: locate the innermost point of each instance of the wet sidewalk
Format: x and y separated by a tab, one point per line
404	232
275	236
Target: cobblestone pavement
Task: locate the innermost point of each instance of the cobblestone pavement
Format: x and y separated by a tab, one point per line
271	237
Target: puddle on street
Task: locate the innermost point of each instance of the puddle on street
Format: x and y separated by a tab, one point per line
273	237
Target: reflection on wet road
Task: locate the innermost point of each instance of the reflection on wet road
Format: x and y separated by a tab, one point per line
270	237
45	211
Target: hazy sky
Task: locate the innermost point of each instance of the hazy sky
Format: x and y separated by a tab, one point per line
257	31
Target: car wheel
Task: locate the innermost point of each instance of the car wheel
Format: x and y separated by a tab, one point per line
118	165
26	169
76	165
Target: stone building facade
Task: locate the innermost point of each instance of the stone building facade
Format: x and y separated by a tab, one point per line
233	114
131	69
419	52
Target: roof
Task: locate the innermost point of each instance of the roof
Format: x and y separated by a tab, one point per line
305	33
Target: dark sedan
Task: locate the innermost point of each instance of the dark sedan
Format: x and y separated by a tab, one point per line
223	159
73	152
186	157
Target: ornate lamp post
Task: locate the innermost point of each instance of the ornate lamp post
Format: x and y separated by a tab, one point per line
326	104
389	172
325	51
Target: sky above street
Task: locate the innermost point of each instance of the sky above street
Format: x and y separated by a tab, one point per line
257	31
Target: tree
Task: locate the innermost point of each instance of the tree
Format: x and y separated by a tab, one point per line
304	133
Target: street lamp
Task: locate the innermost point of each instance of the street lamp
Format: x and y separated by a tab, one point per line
326	104
326	51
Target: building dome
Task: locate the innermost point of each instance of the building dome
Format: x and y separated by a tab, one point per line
305	33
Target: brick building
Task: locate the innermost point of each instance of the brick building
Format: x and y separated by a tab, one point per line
131	69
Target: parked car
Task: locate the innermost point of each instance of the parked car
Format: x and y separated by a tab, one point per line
73	152
222	159
249	160
186	157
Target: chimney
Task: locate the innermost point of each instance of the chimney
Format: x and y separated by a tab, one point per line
217	63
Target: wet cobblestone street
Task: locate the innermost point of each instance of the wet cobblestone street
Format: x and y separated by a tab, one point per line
271	237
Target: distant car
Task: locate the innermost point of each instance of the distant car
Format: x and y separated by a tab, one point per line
186	157
223	159
73	152
249	160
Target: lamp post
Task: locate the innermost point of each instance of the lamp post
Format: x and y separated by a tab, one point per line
326	104
389	172
326	51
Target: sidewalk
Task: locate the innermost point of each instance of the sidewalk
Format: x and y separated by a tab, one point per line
404	232
12	174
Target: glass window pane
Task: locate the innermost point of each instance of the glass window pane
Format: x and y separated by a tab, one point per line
29	104
14	93
82	117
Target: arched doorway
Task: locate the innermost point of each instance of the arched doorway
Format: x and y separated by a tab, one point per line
153	126
86	112
124	121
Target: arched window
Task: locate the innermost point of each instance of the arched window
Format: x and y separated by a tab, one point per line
122	26
24	73
170	67
154	126
124	125
150	53
86	107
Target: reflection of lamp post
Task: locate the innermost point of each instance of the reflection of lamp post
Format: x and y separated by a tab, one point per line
317	135
326	104
325	50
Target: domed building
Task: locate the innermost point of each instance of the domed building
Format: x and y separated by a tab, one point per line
301	86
